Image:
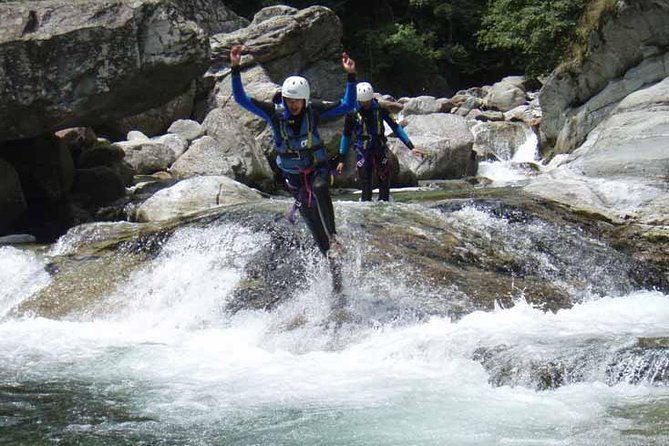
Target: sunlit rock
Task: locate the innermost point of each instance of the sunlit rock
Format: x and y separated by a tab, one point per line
193	195
448	143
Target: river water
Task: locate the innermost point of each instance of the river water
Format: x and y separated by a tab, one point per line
160	362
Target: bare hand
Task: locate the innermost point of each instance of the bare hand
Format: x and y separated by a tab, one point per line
236	55
340	168
420	153
347	63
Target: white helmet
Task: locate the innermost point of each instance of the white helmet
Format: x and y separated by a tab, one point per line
295	87
365	91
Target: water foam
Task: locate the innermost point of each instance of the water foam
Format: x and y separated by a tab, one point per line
21	275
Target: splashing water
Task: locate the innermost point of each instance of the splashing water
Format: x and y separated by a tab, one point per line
514	170
168	365
21	275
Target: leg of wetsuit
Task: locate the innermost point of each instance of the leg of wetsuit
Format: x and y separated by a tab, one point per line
293	183
383	172
321	188
312	218
306	202
365	179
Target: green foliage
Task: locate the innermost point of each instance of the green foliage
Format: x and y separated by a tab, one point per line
399	51
422	41
537	32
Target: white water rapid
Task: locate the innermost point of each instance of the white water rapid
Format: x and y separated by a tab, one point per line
166	365
503	172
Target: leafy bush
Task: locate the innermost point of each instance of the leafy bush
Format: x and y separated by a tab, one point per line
537	32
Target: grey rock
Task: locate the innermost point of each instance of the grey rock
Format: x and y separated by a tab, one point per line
448	142
176	143
504	96
187	129
98	185
490	115
621	170
271	12
626	51
100	155
193	195
147	157
237	136
524	113
136	136
207	156
212	16
286	44
84	59
470	103
44	164
421	105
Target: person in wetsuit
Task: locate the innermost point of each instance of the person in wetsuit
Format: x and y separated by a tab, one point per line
371	147
301	155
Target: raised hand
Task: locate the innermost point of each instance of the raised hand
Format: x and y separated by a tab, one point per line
347	63
236	55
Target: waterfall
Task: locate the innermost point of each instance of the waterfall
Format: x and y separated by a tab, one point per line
512	169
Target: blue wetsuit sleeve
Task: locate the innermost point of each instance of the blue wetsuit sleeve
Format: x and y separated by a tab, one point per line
399	131
343	144
243	100
404	137
346	104
345	140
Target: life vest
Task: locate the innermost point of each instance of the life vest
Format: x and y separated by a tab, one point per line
297	152
363	137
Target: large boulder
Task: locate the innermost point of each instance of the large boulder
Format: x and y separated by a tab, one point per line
208	156
448	142
212	16
193	195
147	156
621	170
226	150
506	95
188	130
287	42
626	51
88	62
421	105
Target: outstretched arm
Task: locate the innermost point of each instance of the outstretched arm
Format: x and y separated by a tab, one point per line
238	88
347	103
401	134
345	142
